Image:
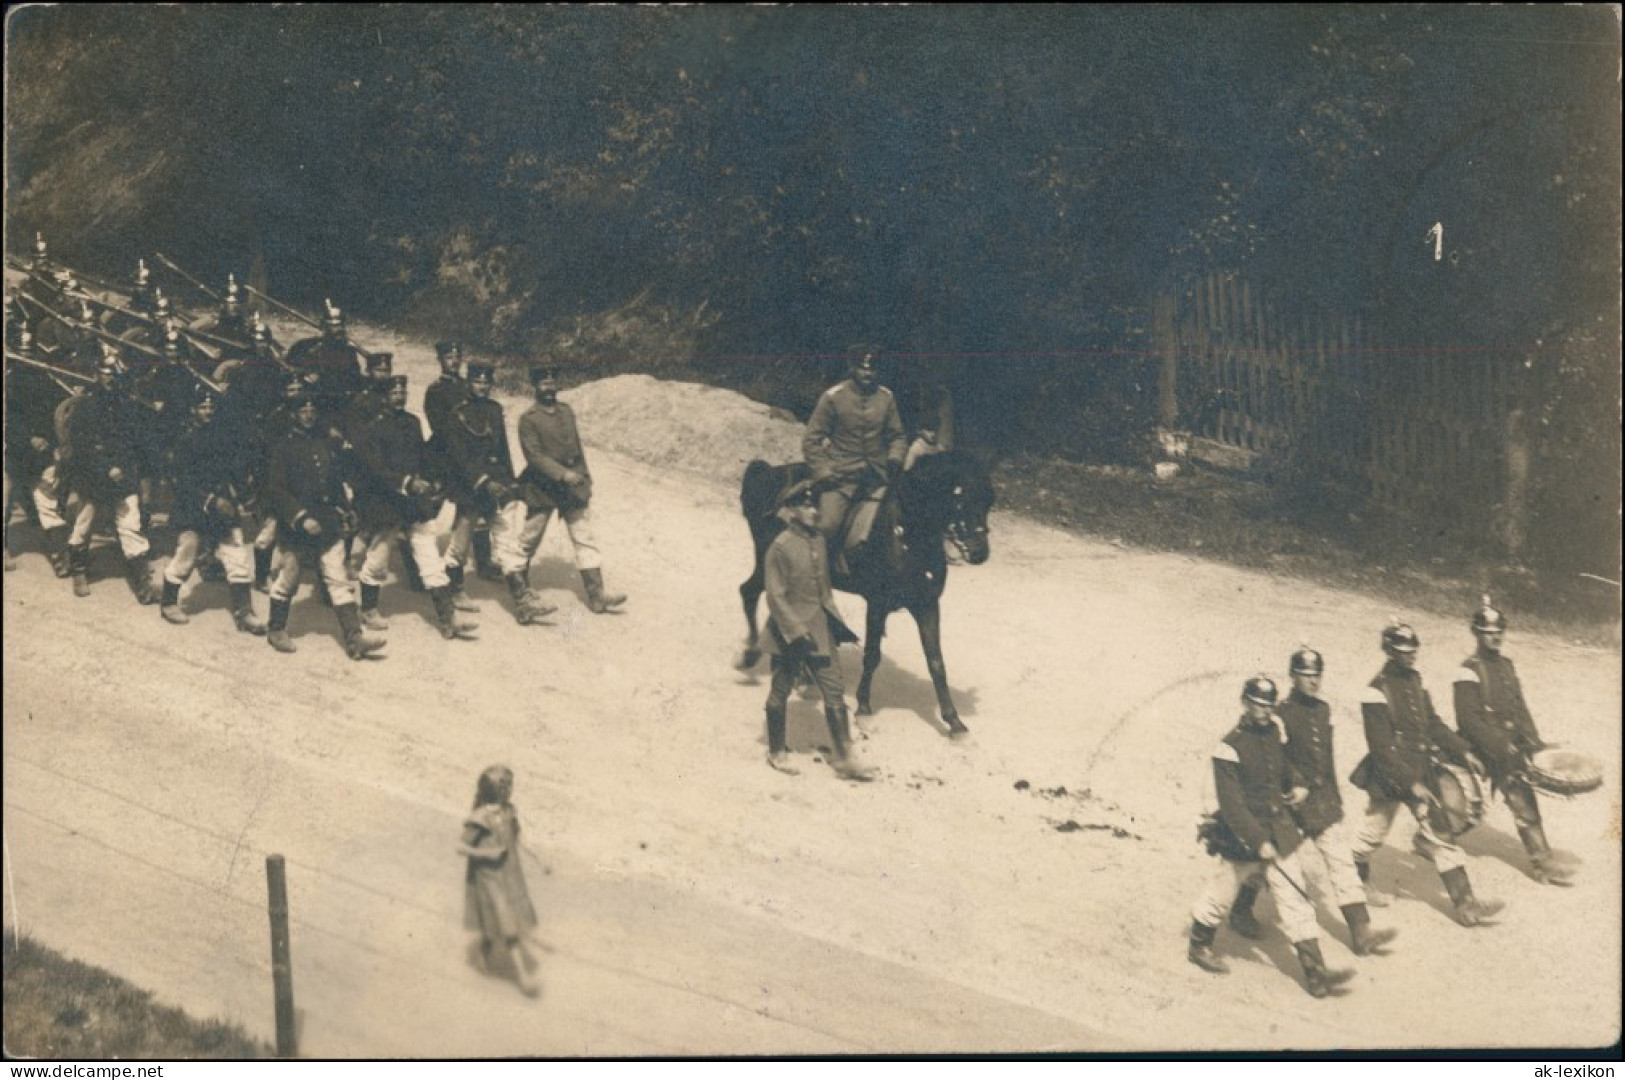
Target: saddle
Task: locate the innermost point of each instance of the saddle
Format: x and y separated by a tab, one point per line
860	519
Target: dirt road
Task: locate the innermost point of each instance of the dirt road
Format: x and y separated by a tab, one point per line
699	902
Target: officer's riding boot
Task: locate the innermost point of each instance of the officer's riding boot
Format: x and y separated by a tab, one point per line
847	766
169	605
1542	867
527	608
483	566
451	627
357	644
778	754
1374	896
1242	919
458	596
56	549
369	608
409	562
140	574
79	567
242	609
1201	952
598	601
1470	911
278	629
1316	978
1364	940
262	568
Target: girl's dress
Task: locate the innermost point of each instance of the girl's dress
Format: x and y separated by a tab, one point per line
497	901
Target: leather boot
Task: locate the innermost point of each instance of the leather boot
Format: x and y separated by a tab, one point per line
169	604
56	549
242	609
1542	866
1364	940
277	636
262	568
1470	911
451	627
1316	978
139	571
409	563
358	645
1201	952
1374	896
369	608
846	765
79	567
1242	919
458	596
483	566
598	601
778	756
527	609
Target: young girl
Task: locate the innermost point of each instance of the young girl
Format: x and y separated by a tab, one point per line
498	904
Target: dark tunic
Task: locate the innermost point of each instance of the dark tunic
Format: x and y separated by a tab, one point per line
477	456
1491	715
1404	735
1252	777
211	463
1308	724
390	455
31	401
103	434
305	477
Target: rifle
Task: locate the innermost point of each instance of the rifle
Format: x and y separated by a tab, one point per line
188	278
302	317
56	374
114	339
196	337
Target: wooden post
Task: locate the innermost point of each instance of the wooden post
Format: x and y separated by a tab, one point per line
1166	335
281	962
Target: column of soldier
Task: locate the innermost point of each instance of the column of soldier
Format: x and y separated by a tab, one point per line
1279	810
273	461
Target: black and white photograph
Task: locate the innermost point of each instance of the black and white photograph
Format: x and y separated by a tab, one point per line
692	532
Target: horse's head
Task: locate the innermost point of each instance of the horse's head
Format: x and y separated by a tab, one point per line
959	492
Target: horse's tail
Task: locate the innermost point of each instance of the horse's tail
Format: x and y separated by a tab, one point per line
759	490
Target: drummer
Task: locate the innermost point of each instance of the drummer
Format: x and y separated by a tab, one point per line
1408	745
1492	716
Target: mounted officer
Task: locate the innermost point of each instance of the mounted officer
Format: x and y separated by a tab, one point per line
854	443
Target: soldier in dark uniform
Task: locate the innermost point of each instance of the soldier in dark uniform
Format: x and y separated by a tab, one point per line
801	629
331	357
1253	834
270	430
556	480
397	493
854	441
479	473
1492	715
232	321
1306	722
32	398
372	401
211	476
103	473
447	392
1406	740
306	484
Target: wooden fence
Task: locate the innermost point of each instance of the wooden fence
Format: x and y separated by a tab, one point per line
1421	427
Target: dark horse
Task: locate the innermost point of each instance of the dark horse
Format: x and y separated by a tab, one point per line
901	566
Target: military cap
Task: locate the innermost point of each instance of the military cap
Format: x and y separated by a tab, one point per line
380	361
397	382
798	494
443	349
481	372
544	370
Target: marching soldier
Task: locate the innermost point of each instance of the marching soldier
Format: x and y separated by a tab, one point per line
447	392
372	401
854	433
103	472
232	321
1253	835
1491	715
333	358
1306	721
396	493
211	476
1407	740
32	398
305	482
479	470
556	480
801	628
277	424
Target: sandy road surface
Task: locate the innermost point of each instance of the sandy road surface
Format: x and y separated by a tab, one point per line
700	903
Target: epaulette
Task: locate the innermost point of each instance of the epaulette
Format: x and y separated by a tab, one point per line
1372	694
1468	673
1225	752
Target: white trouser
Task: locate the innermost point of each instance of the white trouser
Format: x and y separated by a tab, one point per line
506	525
1379	819
230	547
578	522
330	561
423	536
1227	877
1332	867
47	496
126	521
265	539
